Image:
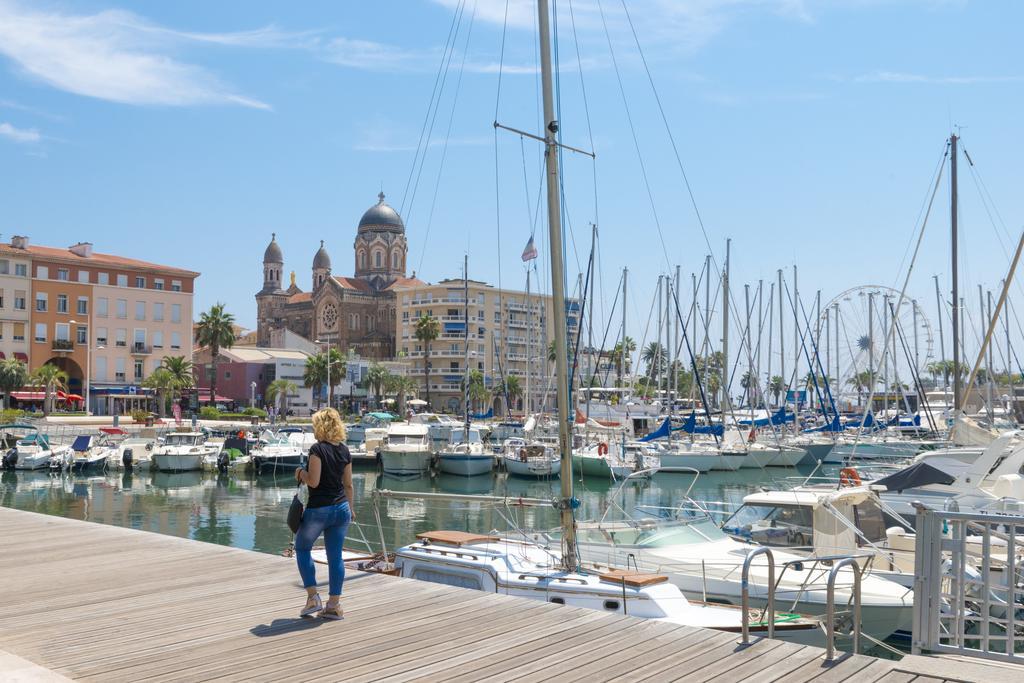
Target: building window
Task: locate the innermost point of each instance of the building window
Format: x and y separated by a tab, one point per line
81	335
19	332
394	260
63	274
140	310
101	307
83	277
101	336
122	309
175	340
62	303
139	342
62	332
227	374
100	366
140	282
21	269
175	313
362	260
42	272
1	298
158	339
103	278
83	306
158	311
19	300
41	302
5	266
40	332
175	285
119	370
121	337
122	280
376	259
138	374
158	283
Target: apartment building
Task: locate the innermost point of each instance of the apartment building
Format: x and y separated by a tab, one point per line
508	336
15	316
106	320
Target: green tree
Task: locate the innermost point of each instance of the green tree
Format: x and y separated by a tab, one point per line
377	380
314	375
428	328
13	376
863	380
278	390
181	369
52	379
403	387
653	356
749	383
477	388
511	391
216	331
776	386
162	380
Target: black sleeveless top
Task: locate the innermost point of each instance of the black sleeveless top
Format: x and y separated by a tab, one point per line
333	460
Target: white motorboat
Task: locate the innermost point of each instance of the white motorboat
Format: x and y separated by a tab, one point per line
133	453
440	427
465	454
702	560
406	449
369	424
276	452
183	452
520	568
533	459
92	452
31	450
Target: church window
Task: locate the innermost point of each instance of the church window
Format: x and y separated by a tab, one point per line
376	259
394	260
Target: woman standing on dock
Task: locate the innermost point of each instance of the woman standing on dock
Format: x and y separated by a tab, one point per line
329	510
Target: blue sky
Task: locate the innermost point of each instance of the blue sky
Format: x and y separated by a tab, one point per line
187	132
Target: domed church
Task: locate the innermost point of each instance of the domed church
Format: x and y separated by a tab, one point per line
348	312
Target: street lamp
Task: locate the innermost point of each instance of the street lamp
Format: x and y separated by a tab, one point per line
327	341
252	399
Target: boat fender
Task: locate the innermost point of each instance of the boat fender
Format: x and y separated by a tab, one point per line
126	458
11	459
222	462
849	477
602	448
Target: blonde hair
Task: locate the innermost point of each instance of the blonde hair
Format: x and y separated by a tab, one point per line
327	426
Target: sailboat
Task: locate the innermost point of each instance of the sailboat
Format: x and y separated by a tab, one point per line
464	454
522	567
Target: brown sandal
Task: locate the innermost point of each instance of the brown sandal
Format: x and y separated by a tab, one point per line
334	613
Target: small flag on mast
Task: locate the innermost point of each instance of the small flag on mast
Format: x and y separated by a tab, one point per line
530	252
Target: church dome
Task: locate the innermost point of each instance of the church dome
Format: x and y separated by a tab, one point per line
273	253
381	216
322	259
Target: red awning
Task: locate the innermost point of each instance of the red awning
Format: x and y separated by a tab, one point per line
75	398
205	396
112	430
23	357
28	395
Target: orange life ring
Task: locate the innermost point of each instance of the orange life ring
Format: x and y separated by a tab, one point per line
849	477
602	449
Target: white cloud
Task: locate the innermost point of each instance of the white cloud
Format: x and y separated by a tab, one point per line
116	56
901	77
19	134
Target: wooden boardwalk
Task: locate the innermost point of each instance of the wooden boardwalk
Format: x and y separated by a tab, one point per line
101	603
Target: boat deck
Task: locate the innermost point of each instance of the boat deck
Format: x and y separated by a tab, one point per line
101	603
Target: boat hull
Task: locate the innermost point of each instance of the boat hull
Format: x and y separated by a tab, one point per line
274	463
405	462
176	463
465	464
536	468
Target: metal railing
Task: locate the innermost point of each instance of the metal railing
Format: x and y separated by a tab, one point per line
745	592
830	607
968	584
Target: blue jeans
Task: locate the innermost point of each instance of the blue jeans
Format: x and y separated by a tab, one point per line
332	521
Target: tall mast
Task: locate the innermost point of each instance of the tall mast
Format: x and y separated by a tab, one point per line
747	348
529	342
796	334
871	343
676	322
622	347
782	339
567	503
991	371
953	209
465	351
725	330
655	367
942	340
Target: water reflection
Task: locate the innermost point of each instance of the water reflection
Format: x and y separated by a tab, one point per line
248	511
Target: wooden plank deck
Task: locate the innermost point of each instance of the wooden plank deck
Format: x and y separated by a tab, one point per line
102	603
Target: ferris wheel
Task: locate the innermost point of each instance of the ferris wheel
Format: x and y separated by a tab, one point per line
854	328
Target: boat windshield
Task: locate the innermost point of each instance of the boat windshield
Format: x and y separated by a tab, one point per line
402	439
773	525
474	436
182	440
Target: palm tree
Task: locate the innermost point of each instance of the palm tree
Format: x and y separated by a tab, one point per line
52	379
314	375
162	380
181	370
278	390
13	375
477	388
428	328
623	358
336	371
216	330
511	390
861	381
403	386
777	385
749	383
377	380
654	356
